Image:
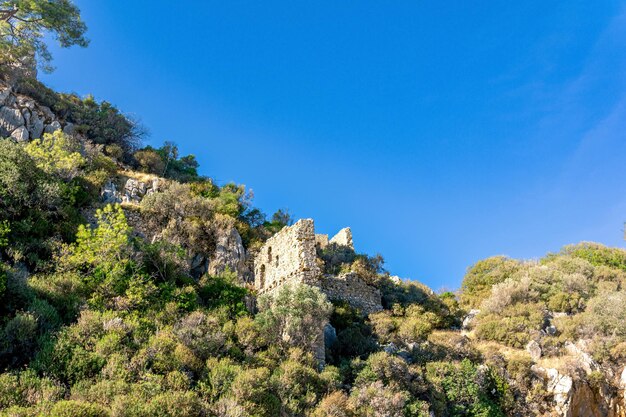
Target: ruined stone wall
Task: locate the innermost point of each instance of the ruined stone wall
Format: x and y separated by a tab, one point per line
343	238
288	257
321	241
351	288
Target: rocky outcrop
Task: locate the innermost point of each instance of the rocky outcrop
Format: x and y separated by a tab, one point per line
23	119
575	395
229	254
132	190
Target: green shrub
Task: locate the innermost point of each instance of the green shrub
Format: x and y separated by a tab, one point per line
514	326
391	371
296	314
596	254
174	404
606	314
463	389
71	408
252	391
482	276
223	291
201	333
298	386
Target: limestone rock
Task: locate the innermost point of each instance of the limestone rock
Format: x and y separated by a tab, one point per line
35	128
26	115
395	279
109	193
5	93
229	253
469	319
52	127
20	134
551	330
330	334
10	119
47	113
559	385
534	350
585	361
69	129
133	191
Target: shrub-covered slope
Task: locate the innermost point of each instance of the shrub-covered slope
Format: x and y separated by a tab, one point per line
116	304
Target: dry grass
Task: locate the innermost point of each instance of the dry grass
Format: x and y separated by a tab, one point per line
139	176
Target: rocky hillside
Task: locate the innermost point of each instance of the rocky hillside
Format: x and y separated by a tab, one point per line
126	289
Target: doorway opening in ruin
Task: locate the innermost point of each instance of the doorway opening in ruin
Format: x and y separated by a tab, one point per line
262	277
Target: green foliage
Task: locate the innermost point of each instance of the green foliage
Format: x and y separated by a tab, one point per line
56	154
354	334
482	276
465	390
71	408
94	321
100	122
166	162
26	24
298	385
296	314
223	292
38	207
596	254
606	314
335	257
5	229
106	245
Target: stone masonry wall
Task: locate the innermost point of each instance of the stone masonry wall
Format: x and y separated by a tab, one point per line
343	238
290	257
287	257
351	288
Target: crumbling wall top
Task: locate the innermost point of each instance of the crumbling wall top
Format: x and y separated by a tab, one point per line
343	238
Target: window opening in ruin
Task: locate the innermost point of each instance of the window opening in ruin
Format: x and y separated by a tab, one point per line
269	254
276	260
262	278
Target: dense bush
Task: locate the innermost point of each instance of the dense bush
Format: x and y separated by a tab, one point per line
484	274
465	389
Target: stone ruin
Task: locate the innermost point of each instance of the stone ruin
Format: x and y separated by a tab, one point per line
290	256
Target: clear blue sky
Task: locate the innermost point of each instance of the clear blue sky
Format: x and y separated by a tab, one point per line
441	132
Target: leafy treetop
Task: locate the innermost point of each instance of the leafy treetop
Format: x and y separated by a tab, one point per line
24	24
